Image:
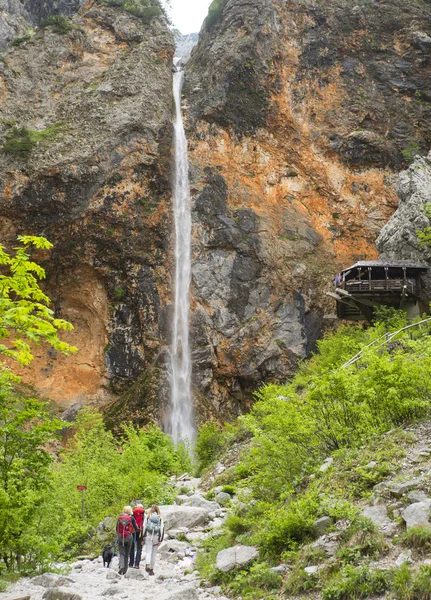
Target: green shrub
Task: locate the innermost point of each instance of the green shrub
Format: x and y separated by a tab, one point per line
255	582
411	585
214	13
229	489
236	524
146	10
20	141
58	23
410	151
21	40
418	538
119	294
209	444
356	583
284	528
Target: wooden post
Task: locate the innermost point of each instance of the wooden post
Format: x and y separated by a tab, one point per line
386	277
369	278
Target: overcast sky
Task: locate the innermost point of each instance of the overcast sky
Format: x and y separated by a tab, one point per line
188	15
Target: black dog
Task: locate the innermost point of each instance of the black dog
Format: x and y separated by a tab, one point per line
107	555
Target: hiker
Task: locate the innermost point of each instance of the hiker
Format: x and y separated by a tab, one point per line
125	531
136	549
154	532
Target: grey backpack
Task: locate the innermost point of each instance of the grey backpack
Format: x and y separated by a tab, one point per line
153	524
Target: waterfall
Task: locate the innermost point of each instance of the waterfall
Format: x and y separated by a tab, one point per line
181	415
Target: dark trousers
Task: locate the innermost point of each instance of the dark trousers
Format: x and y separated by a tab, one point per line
136	551
124	553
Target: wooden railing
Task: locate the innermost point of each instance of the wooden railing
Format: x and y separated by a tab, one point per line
380	285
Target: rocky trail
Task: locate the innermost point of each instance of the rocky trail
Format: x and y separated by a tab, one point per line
186	524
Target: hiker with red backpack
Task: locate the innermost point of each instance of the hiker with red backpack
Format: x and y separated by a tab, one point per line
136	549
154	532
126	527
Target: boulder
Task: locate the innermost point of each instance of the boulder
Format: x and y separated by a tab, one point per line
417	514
186	593
172	547
326	545
112	575
60	594
417	496
175	516
201	502
312	570
280	569
111	591
14	597
135	574
404	557
49	580
379	516
236	556
223	498
399	489
321	525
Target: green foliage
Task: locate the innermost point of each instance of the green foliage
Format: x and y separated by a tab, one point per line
26	431
418	538
411	585
325	410
58	23
229	489
146	10
355	583
255	583
119	294
214	13
209	443
20	141
25	316
424	235
410	151
115	472
21	40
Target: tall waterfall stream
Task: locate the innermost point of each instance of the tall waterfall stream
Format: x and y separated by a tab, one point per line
181	415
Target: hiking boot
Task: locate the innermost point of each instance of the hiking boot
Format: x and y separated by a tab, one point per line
150	572
147	568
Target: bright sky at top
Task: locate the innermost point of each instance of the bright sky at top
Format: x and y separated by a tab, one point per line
188	15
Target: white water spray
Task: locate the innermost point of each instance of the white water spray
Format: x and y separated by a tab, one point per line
181	416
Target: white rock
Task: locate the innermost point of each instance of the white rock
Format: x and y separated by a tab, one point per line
183	516
311	570
417	514
404	557
327	464
201	502
235	556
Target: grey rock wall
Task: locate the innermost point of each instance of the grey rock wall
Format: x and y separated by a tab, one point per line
398	238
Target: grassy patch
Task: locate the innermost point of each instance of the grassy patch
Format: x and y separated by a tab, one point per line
412	585
119	294
21	40
20	141
355	583
146	10
418	538
58	24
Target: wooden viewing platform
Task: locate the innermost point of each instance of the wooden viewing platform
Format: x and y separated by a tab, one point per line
368	284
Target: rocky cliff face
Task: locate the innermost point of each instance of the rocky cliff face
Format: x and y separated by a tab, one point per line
398	237
300	113
85	122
